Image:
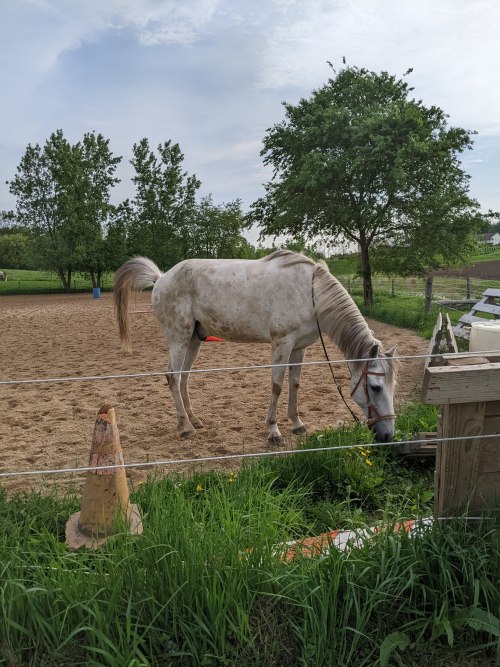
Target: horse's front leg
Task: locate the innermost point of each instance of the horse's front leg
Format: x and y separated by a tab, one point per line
178	352
296	357
280	355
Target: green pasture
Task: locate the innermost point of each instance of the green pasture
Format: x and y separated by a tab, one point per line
205	584
20	281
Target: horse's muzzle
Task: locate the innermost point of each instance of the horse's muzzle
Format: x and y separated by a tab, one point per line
382	434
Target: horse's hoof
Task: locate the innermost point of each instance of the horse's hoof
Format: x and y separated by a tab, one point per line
187	434
301	430
275	440
197	423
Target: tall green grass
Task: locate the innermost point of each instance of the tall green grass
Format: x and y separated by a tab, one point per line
204	585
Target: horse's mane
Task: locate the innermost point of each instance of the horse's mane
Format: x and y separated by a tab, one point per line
288	258
338	315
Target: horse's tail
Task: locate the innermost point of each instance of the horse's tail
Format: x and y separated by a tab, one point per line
133	275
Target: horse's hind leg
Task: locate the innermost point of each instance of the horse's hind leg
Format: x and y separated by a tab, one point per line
192	353
296	357
177	356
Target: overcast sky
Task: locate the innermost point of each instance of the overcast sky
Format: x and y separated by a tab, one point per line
211	75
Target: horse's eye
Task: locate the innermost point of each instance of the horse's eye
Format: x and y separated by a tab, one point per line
376	389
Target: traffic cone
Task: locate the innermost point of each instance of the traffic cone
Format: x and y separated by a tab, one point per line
105	508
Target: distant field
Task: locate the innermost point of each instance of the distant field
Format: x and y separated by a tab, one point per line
448	283
20	281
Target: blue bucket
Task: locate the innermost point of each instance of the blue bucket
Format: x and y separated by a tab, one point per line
96	292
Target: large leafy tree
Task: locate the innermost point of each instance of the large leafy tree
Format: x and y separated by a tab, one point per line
164	203
363	162
94	178
62	197
216	231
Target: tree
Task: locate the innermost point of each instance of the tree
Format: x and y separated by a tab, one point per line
216	231
62	196
95	179
163	205
361	161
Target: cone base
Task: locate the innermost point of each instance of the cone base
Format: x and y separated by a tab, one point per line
75	539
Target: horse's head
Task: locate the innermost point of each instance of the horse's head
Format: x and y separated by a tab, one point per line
372	387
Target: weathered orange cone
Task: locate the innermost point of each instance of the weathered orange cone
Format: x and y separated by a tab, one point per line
105	506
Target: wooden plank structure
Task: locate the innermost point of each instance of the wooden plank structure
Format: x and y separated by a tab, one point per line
467	477
490	303
442	340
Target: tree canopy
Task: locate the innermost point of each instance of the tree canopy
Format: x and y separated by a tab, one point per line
165	199
362	161
62	196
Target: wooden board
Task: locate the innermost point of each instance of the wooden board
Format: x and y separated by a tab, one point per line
458	461
444	385
419	449
435	341
467	476
451	342
442	340
488	304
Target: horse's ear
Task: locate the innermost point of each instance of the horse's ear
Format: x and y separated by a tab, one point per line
392	351
374	351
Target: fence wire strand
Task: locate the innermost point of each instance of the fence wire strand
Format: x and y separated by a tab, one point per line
228	369
228	457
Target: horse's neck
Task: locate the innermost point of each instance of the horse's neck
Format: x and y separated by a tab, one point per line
340	318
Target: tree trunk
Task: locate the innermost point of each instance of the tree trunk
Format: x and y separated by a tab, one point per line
62	277
367	274
94	280
428	294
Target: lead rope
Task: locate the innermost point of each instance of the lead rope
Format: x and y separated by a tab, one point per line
339	388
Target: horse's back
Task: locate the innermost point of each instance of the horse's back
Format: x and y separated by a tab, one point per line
241	300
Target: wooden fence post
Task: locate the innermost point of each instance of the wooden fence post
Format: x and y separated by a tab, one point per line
467	476
468	288
428	294
393	288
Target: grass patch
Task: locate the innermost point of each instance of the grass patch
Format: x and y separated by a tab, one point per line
404	311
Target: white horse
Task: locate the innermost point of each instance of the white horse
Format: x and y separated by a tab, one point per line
284	299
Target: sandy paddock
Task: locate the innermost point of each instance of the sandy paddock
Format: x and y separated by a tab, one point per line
50	425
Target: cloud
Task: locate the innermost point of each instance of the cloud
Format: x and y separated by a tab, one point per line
452	46
211	74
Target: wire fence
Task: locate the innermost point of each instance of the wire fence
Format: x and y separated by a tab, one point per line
226	369
228	457
240	456
462	288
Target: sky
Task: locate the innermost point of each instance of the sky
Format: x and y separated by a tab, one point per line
211	75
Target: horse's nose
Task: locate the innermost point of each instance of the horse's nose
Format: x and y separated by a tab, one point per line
385	436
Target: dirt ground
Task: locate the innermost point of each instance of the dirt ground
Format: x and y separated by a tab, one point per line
50	425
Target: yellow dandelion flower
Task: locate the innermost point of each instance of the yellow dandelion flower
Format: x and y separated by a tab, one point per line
199	488
368	462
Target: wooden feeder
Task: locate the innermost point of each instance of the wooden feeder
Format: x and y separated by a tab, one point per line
467	477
